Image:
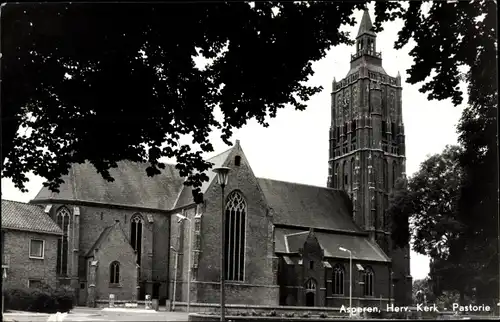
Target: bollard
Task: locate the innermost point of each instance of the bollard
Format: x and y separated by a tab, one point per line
147	303
111	300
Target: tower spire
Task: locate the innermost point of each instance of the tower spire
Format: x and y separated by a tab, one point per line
366	25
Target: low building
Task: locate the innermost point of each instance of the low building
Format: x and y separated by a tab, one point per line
29	245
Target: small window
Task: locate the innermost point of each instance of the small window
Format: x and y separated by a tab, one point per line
37	248
237	160
114	273
32	283
82	286
311	264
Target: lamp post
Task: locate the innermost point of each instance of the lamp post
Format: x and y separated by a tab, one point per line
182	218
222	178
350	279
175	275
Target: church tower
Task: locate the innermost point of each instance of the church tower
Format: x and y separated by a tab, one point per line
367	145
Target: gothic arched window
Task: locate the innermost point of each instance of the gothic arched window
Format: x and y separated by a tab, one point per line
338	280
136	223
62	219
386	175
114	273
368	278
345	173
311	285
394	174
336	176
352	168
236	211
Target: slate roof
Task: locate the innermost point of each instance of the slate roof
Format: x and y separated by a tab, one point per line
366	26
186	196
308	206
102	237
288	241
27	217
131	186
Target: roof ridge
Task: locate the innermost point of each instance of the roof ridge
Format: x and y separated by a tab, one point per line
219	154
300	184
24	203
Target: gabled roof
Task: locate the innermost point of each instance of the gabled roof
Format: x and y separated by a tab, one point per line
27	217
308	206
291	240
186	196
103	237
366	26
131	186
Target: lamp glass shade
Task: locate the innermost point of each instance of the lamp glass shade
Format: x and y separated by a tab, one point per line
222	175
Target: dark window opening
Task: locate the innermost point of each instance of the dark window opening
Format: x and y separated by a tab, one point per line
63	216
393	129
338	133
311	264
353	130
114	273
384	130
368	282
235	237
237	160
345	129
136	236
338	280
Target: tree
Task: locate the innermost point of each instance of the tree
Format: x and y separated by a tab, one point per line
422	291
104	84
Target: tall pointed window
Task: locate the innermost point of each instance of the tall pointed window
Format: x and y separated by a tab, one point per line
394	174
368	278
114	273
236	211
386	175
336	176
338	280
345	173
62	219
352	168
136	223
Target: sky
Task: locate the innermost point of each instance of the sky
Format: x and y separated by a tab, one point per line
294	147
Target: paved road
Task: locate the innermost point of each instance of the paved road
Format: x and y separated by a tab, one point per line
88	314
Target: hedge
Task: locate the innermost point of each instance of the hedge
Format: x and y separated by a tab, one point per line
44	299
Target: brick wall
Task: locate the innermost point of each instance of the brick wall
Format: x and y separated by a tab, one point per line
155	247
115	248
22	267
258	244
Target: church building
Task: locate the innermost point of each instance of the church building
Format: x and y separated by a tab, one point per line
286	243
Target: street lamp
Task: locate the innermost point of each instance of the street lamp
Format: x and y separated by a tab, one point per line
182	218
175	275
222	178
350	279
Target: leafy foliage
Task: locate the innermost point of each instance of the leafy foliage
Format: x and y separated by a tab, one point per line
422	291
106	83
399	212
44	299
133	88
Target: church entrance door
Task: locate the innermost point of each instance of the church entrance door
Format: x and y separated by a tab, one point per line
310	299
310	292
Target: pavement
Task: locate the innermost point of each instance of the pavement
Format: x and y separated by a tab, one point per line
98	314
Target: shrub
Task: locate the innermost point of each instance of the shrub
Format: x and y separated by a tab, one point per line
272	313
254	313
306	314
323	315
43	299
289	314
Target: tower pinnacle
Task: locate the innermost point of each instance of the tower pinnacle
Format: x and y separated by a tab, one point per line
366	25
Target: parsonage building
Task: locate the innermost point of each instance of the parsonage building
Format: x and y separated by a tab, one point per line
287	243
